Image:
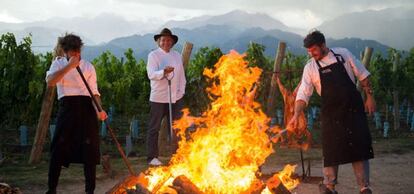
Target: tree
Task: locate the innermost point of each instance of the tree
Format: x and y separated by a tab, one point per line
22	81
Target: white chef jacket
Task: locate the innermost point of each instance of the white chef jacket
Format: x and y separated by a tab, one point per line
311	79
157	61
71	84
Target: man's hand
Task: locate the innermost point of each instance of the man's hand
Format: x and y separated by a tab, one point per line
168	70
102	115
74	61
55	77
370	106
300	105
294	122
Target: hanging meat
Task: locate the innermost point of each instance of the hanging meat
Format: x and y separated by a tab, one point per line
298	136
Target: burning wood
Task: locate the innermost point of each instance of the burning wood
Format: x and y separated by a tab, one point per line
6	189
257	187
183	185
130	184
139	189
275	186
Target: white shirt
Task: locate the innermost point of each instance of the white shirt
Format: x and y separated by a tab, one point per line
311	79
71	84
157	61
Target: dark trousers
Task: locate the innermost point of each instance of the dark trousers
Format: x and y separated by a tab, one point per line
89	171
157	112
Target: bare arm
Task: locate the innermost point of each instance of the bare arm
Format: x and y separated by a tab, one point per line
101	115
98	100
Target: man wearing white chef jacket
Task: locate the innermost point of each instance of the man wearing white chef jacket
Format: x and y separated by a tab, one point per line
164	64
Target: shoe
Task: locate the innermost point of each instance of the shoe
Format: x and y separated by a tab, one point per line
325	190
50	191
155	162
366	190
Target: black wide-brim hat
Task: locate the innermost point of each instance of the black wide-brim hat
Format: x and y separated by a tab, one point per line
166	32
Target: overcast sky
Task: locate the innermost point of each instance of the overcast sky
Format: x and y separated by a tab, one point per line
293	13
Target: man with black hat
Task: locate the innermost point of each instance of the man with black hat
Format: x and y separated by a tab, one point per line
76	138
164	64
345	134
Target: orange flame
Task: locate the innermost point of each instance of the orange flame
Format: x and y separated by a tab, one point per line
230	143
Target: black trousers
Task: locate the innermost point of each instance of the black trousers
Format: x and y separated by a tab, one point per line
157	112
89	171
76	140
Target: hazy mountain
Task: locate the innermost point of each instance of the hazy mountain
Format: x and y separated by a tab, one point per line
393	27
226	38
43	39
99	29
237	18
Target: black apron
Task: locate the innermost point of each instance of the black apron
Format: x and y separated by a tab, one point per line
345	134
76	138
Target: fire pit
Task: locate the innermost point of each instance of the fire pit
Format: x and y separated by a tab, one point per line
230	143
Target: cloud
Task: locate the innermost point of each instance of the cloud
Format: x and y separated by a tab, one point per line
6	17
297	13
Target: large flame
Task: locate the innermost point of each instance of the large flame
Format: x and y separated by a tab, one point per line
230	142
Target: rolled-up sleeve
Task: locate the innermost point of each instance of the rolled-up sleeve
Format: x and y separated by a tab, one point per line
92	81
306	87
55	66
152	68
358	68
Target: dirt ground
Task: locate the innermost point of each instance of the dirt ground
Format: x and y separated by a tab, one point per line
390	174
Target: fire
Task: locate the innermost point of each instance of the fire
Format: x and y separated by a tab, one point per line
231	141
285	176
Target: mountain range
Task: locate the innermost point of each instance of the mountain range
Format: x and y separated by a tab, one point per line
233	30
226	38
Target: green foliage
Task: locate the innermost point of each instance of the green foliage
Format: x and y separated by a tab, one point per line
21	81
124	84
385	78
407	67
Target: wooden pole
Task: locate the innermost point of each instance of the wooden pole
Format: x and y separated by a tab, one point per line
42	125
163	135
396	95
280	55
186	53
365	59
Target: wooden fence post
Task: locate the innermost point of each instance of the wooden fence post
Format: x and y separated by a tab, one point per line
43	124
365	60
395	92
270	109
